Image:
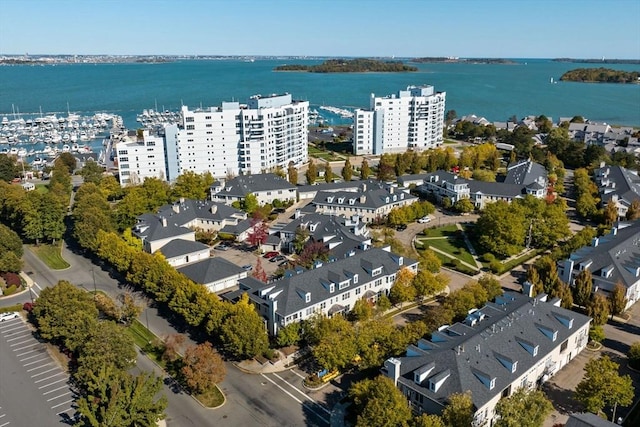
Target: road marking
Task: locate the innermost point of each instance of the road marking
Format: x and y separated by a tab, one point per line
59	396
43	379
45	372
55	389
293	371
20	326
20	342
31	357
26	352
7	423
62	412
306	404
22	348
35	361
50	384
17	338
37	286
63	403
38	367
296	389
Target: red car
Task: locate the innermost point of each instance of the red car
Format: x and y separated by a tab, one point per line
271	254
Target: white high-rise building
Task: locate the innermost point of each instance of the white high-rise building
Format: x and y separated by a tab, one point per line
412	119
140	155
267	132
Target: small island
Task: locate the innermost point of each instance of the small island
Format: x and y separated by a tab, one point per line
456	60
350	66
598	61
600	75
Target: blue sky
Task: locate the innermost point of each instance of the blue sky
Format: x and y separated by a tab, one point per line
464	28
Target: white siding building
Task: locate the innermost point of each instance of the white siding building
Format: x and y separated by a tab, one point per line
140	156
267	132
412	119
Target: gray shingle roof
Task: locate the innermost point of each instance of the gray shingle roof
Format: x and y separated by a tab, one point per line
180	247
184	211
473	354
316	281
587	419
620	251
369	199
342	185
524	173
619	181
242	185
152	228
210	270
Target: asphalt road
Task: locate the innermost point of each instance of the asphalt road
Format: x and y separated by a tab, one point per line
252	400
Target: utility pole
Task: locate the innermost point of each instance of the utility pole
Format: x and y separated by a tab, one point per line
95	291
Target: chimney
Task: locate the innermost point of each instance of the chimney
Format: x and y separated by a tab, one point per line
391	190
163	220
214	209
595	241
364	187
176	207
363	198
181	200
393	369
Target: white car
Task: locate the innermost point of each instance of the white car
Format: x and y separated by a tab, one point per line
424	220
8	316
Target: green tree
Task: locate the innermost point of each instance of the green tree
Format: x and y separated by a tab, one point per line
92	172
362	310
582	287
8	168
289	335
328	173
106	344
67	161
603	386
484	175
524	408
633	212
425	420
202	368
383	304
436	316
563	291
598	309
534	278
464	205
502	228
191	185
378	402
459	411
402	289
492	285
243	333
113	398
10	250
596	333
311	173
365	170
65	315
618	299
426	283
347	170
386	167
634	355
292	174
110	186
250	203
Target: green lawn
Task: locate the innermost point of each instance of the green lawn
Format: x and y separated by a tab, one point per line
50	255
443	231
325	155
42	188
453	247
146	340
211	399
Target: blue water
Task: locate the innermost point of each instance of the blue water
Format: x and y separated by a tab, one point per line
494	91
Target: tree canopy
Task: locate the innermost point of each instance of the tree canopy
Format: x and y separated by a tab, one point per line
602	386
524	408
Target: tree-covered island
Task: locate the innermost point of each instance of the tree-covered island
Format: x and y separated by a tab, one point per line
600	75
455	60
359	65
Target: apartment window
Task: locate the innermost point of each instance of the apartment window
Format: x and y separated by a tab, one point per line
124	159
191	127
189	119
125	152
563	346
346	296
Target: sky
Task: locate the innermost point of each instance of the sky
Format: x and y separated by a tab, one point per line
401	28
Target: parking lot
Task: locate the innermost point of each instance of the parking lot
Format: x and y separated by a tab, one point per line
34	389
238	254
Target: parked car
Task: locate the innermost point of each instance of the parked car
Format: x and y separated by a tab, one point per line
424	220
283	263
401	227
223	247
8	316
247	267
271	254
278	258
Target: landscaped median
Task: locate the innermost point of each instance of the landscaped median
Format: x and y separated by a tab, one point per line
50	255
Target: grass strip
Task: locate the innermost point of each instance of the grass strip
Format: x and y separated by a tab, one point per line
51	255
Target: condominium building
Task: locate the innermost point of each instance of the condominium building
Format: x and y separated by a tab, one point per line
267	132
412	119
140	154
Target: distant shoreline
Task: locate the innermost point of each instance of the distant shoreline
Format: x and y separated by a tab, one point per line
598	61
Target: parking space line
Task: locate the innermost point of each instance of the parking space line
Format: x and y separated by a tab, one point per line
22	348
294	372
59	396
44	372
44	379
39	367
302	393
63	403
62	412
19	326
21	336
31	357
50	384
26	352
21	342
7	423
35	361
37	286
55	389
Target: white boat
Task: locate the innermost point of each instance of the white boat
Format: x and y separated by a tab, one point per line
74	148
22	152
84	136
66	148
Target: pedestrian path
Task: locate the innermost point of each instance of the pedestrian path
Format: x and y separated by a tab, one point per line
472	250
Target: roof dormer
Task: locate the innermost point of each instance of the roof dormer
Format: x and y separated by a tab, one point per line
547	332
437	380
420	374
486	379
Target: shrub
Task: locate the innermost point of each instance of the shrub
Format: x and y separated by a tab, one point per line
495	266
28	307
488	257
270	354
455	263
634	355
11	279
596	333
10	290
